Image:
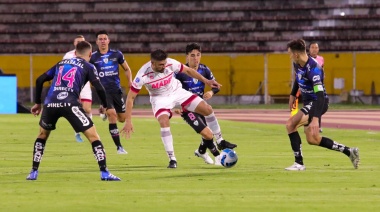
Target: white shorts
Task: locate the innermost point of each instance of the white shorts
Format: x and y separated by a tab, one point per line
86	93
163	104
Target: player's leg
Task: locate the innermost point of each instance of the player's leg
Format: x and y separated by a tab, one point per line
316	139
198	124
48	120
81	123
163	117
114	102
199	106
86	100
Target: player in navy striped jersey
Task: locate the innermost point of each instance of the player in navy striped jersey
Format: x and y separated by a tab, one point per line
309	79
62	100
107	62
195	120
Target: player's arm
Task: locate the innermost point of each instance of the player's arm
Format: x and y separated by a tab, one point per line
318	88
207	95
36	109
194	74
128	126
127	72
293	94
101	92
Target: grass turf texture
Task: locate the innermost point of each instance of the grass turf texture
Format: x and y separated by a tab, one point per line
69	179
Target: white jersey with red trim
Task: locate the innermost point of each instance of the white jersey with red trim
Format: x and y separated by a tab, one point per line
69	54
158	83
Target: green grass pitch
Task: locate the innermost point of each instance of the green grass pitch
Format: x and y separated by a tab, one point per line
69	179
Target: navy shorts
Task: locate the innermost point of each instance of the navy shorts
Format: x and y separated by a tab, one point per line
309	109
73	113
196	121
116	101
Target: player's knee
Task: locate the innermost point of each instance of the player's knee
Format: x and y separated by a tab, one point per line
207	134
163	120
312	139
289	126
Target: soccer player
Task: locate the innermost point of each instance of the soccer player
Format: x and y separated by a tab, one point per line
166	92
313	51
107	62
86	93
68	77
197	121
309	79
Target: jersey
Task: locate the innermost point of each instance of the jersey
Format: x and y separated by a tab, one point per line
69	76
108	67
69	54
157	83
310	79
320	60
194	85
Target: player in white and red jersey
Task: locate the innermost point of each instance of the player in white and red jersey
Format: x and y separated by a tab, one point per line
166	92
313	52
86	93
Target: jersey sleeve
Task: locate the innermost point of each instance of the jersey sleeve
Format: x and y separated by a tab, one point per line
176	66
120	57
315	76
208	74
138	82
92	73
51	71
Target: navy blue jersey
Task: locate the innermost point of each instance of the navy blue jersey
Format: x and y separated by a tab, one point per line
310	79
194	85
108	68
69	76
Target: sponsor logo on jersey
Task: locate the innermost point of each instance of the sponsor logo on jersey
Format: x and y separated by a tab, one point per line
316	78
161	83
62	95
299	76
59	104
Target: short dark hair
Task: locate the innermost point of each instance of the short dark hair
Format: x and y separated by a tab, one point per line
82	47
101	32
191	46
313	42
158	55
297	45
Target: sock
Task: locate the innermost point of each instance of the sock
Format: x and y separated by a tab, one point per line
167	140
38	151
115	134
295	142
330	144
212	122
202	147
100	154
211	146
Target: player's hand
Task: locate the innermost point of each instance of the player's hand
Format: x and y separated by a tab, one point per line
178	111
214	84
208	95
36	109
127	130
101	109
314	126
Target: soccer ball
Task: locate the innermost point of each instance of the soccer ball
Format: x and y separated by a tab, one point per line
228	158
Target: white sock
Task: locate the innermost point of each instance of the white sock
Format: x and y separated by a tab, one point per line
167	140
212	122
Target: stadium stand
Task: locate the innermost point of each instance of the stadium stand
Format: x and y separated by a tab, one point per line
47	26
